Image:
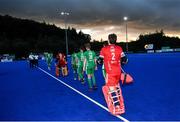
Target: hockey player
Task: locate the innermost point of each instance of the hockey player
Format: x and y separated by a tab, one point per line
80	61
61	65
31	60
57	65
74	63
36	61
111	55
90	66
48	59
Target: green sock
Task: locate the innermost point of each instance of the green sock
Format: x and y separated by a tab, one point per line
89	82
80	75
74	74
94	80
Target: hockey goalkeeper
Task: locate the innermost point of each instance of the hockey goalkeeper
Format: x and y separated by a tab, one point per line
111	56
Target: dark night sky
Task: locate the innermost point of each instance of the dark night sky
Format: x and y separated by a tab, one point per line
101	17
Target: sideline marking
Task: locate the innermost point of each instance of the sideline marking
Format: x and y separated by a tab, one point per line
95	102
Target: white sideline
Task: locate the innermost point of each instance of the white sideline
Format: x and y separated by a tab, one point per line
100	105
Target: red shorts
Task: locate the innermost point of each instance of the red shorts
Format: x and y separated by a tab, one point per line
112	79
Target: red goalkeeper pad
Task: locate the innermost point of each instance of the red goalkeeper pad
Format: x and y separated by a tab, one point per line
126	78
64	71
114	99
57	71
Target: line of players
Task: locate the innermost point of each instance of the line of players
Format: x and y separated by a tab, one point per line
81	61
85	61
33	60
60	63
112	57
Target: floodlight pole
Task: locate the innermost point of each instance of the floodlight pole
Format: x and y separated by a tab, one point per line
65	23
126	19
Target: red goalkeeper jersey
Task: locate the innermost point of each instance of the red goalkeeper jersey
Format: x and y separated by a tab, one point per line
112	57
61	61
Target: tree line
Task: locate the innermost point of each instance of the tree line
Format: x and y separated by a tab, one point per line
22	36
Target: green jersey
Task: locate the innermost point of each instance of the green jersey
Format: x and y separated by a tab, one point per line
80	58
48	57
73	58
90	59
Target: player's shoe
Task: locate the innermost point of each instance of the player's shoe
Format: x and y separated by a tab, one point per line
90	89
82	81
94	87
49	68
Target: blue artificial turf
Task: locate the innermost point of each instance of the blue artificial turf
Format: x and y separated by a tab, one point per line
30	94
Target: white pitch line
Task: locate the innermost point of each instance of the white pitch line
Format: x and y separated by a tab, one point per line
95	102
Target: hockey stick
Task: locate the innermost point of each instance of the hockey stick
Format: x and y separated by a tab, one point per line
125	77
